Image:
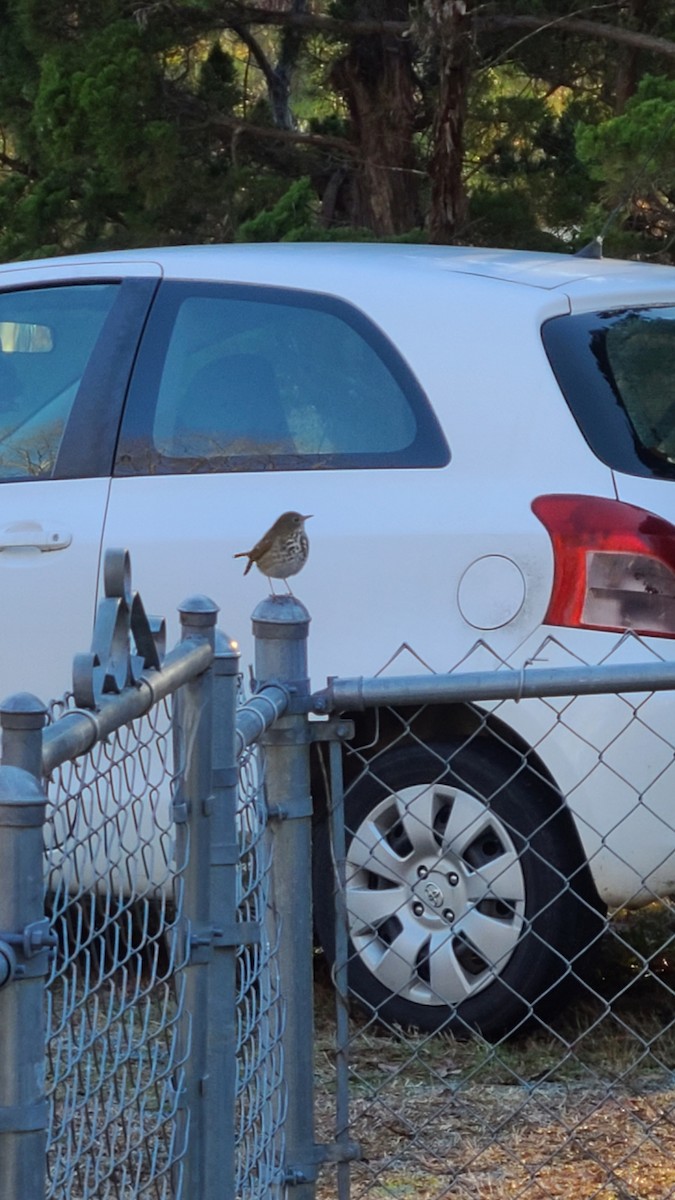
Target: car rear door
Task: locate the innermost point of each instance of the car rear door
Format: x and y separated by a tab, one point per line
247	401
68	334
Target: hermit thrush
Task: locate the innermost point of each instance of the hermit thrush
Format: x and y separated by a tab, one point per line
282	551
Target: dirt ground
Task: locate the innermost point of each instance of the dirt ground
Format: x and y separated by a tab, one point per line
583	1109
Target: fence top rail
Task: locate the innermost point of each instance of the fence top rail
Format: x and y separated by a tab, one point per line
361	692
78	730
256	716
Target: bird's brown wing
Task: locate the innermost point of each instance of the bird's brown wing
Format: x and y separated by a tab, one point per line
258	550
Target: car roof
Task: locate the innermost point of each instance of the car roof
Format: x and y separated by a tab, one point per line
318	264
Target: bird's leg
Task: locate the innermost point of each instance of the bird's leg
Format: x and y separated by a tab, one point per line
288	588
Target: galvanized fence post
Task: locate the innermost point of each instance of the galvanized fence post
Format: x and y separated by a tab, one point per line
205	814
22	718
280	627
24	954
221	1037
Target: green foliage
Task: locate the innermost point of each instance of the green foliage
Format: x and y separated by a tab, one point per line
127	125
99	154
528	187
637	148
292	213
506	217
632	156
218	84
295	218
104	159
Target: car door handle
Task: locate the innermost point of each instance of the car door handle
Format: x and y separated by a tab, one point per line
30	535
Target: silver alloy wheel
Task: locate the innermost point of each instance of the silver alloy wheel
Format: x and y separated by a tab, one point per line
435	894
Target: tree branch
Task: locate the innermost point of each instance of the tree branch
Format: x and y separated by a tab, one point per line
235	15
244	34
15	165
583	28
229	15
237	125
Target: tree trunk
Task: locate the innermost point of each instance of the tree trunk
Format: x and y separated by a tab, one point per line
449	31
376	80
280	84
627	65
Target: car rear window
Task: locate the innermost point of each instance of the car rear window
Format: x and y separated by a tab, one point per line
241	378
617	371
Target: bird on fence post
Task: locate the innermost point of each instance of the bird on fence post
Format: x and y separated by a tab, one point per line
282	551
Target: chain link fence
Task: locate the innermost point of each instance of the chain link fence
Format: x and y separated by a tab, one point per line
140	994
504	1037
174	853
116	989
261	1093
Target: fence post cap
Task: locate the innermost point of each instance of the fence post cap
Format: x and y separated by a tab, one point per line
23	710
225	645
198	610
280	617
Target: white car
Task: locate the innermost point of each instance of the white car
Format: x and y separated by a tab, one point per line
486	441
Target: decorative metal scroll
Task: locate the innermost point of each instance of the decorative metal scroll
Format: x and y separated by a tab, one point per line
126	641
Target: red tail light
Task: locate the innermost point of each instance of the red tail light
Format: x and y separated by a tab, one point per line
614	565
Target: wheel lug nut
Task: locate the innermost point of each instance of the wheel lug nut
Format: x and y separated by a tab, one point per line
418	908
453	879
448	914
422	872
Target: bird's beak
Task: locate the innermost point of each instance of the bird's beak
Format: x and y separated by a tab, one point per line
308	515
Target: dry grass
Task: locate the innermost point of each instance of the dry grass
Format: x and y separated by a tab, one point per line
582	1109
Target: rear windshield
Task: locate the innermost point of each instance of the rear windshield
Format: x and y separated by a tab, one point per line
617	371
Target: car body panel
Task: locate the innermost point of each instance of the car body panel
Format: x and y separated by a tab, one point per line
48	596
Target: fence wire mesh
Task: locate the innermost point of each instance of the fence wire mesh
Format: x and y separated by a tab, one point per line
116	1035
506	1039
261	1092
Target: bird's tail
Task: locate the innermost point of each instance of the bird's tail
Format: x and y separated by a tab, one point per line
244	554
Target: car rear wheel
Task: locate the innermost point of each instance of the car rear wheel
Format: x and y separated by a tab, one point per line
467	904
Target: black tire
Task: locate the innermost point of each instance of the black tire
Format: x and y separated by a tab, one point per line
469	906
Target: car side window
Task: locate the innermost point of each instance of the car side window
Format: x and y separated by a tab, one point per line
47	337
234	378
